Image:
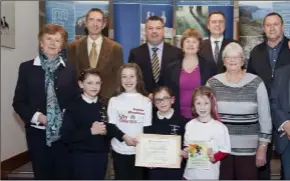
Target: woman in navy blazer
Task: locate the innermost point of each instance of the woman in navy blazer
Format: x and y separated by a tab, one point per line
188	73
46	86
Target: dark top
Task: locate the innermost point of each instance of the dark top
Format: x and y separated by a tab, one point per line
141	56
259	62
173	126
172	74
30	95
78	120
207	53
273	53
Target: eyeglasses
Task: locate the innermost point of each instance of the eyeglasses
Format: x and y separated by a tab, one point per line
165	99
233	58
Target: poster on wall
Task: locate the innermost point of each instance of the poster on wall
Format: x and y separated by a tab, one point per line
162	10
131	33
71	15
193	14
81	9
251	16
8	24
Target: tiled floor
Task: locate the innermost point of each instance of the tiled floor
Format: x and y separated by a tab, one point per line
25	172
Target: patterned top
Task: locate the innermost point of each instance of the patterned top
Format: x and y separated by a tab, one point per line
244	108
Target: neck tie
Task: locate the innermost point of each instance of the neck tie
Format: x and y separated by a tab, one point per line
155	65
216	51
93	55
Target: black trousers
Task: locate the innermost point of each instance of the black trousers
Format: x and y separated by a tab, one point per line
165	174
124	166
89	165
48	163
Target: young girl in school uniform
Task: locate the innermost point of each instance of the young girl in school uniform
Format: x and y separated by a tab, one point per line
130	110
84	129
208	129
166	121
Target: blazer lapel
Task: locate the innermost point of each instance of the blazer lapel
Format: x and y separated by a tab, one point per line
289	90
176	69
104	54
207	46
83	54
266	58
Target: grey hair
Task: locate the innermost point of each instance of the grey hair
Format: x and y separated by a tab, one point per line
233	47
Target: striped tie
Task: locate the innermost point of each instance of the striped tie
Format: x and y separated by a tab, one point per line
216	51
155	65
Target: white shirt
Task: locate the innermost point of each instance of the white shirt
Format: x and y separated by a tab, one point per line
88	100
34	120
159	51
98	42
212	42
167	116
216	135
130	112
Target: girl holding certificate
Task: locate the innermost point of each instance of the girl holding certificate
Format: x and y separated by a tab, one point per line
130	110
206	139
166	121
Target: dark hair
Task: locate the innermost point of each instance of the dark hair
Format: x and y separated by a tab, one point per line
52	29
215	12
273	14
191	32
95	10
90	71
205	91
161	88
155	18
140	87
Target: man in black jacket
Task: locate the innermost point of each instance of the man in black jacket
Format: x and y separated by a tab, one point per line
154	55
264	59
212	48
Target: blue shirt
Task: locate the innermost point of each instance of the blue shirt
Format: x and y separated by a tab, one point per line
273	54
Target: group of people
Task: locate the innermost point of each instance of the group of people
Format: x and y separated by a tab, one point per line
78	111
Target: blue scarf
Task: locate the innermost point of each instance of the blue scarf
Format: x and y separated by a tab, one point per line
53	111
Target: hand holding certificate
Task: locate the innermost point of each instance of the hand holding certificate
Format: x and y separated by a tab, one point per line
158	151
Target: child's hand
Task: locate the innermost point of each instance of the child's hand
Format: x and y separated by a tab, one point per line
210	155
130	141
184	153
98	128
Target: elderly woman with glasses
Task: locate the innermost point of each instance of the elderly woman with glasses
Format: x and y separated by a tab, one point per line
243	106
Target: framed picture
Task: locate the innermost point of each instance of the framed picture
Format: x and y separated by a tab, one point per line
8	24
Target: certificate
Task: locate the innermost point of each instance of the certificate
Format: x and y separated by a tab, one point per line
161	151
197	156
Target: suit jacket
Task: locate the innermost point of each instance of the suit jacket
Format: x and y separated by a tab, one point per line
141	56
259	62
30	96
280	105
206	52
109	61
172	74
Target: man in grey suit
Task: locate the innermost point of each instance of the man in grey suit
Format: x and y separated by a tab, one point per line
280	107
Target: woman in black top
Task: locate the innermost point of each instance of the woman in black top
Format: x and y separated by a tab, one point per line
46	86
166	121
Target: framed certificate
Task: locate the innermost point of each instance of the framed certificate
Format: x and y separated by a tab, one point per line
161	151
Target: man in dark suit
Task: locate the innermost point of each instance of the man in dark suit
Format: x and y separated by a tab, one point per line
154	56
97	51
280	105
264	59
212	48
